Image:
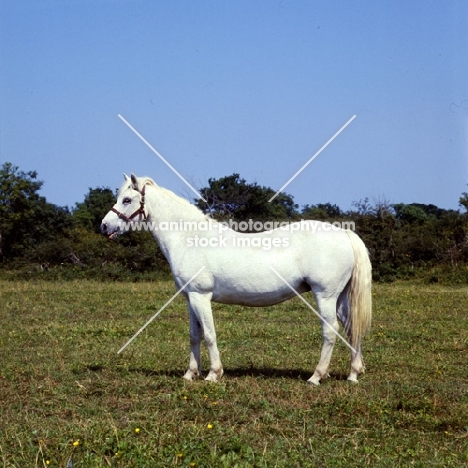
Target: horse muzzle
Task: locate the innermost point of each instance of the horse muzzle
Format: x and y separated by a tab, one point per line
105	231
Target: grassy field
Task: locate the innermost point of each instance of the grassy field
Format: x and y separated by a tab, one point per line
68	400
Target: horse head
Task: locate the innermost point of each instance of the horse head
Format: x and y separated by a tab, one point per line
129	208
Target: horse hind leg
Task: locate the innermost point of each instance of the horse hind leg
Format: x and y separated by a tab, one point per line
357	364
327	308
343	313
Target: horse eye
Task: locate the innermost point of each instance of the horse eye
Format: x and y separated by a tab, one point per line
127	201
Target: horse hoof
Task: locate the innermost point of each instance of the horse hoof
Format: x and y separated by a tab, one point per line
214	376
354	380
314	381
190	376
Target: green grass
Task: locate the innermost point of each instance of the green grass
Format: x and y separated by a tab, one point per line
62	382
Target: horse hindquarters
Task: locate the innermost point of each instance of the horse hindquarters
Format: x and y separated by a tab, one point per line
353	307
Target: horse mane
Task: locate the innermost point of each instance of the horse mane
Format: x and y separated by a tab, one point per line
142	181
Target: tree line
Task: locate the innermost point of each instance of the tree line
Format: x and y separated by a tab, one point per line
40	239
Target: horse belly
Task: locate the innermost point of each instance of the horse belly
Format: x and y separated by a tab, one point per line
255	296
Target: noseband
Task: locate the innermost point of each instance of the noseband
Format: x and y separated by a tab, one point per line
139	211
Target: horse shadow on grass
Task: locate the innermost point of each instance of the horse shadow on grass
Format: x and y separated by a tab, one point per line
233	373
275	373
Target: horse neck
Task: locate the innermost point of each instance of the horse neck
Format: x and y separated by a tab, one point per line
165	207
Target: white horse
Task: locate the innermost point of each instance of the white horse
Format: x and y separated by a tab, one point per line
258	269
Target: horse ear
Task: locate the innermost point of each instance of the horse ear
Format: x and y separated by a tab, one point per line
127	179
134	180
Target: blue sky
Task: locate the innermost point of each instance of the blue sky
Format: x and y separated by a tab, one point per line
253	87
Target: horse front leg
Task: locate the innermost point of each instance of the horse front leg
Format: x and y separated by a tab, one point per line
196	334
200	309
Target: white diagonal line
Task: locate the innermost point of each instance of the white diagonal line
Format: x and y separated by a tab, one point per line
160	310
312	158
160	157
313	310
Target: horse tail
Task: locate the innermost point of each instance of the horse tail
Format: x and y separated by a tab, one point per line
360	292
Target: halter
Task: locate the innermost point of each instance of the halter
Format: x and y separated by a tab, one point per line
140	210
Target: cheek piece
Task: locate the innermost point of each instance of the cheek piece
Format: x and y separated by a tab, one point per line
139	211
